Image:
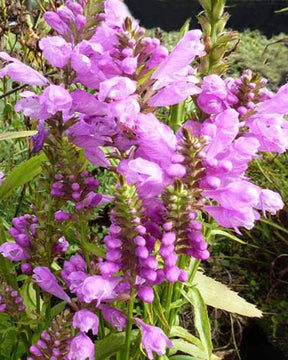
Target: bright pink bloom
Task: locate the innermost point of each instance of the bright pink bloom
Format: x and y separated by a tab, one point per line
85	320
56	50
153	339
48	282
81	348
21	72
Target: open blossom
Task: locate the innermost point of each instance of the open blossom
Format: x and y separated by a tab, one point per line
81	348
14	252
56	50
113	316
147	175
153	339
85	320
21	72
213	96
97	288
175	80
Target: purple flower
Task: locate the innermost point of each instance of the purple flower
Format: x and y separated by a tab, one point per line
153	339
116	88
174	93
278	104
182	55
233	218
56	50
81	348
14	252
146	294
48	282
156	142
2	177
21	72
54	20
85	320
270	201
56	98
39	139
114	316
97	288
147	175
30	105
213	96
271	130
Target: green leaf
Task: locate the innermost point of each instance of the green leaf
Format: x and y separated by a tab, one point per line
6	266
29	299
183	357
190	349
227	235
185	28
7	341
111	344
180	332
201	319
22	174
16	134
221	297
57	309
281	10
94	249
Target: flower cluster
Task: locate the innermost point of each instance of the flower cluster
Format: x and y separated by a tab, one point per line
11	302
117	82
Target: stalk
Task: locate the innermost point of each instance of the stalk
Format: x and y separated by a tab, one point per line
129	324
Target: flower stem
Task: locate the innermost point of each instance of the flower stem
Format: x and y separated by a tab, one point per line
83	241
129	323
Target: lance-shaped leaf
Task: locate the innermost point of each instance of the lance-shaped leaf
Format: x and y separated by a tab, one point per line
221	297
22	174
16	134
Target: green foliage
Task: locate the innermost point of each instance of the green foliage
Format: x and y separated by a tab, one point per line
266	56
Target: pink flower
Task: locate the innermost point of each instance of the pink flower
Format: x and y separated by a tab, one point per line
21	72
147	176
116	88
182	55
213	96
113	316
85	320
153	339
48	282
81	348
54	20
13	252
56	98
97	288
56	50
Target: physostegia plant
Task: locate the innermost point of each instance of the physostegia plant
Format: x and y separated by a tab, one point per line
177	137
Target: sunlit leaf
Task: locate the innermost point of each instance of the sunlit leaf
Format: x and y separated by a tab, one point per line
22	174
201	319
221	297
16	134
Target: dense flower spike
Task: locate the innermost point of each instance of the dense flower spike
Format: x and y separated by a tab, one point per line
11	302
54	342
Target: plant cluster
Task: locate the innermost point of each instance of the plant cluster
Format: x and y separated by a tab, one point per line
177	181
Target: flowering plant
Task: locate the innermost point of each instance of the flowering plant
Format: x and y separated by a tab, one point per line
177	137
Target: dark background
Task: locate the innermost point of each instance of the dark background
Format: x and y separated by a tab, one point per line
171	14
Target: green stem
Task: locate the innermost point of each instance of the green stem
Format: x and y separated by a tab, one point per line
168	303
129	323
83	237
